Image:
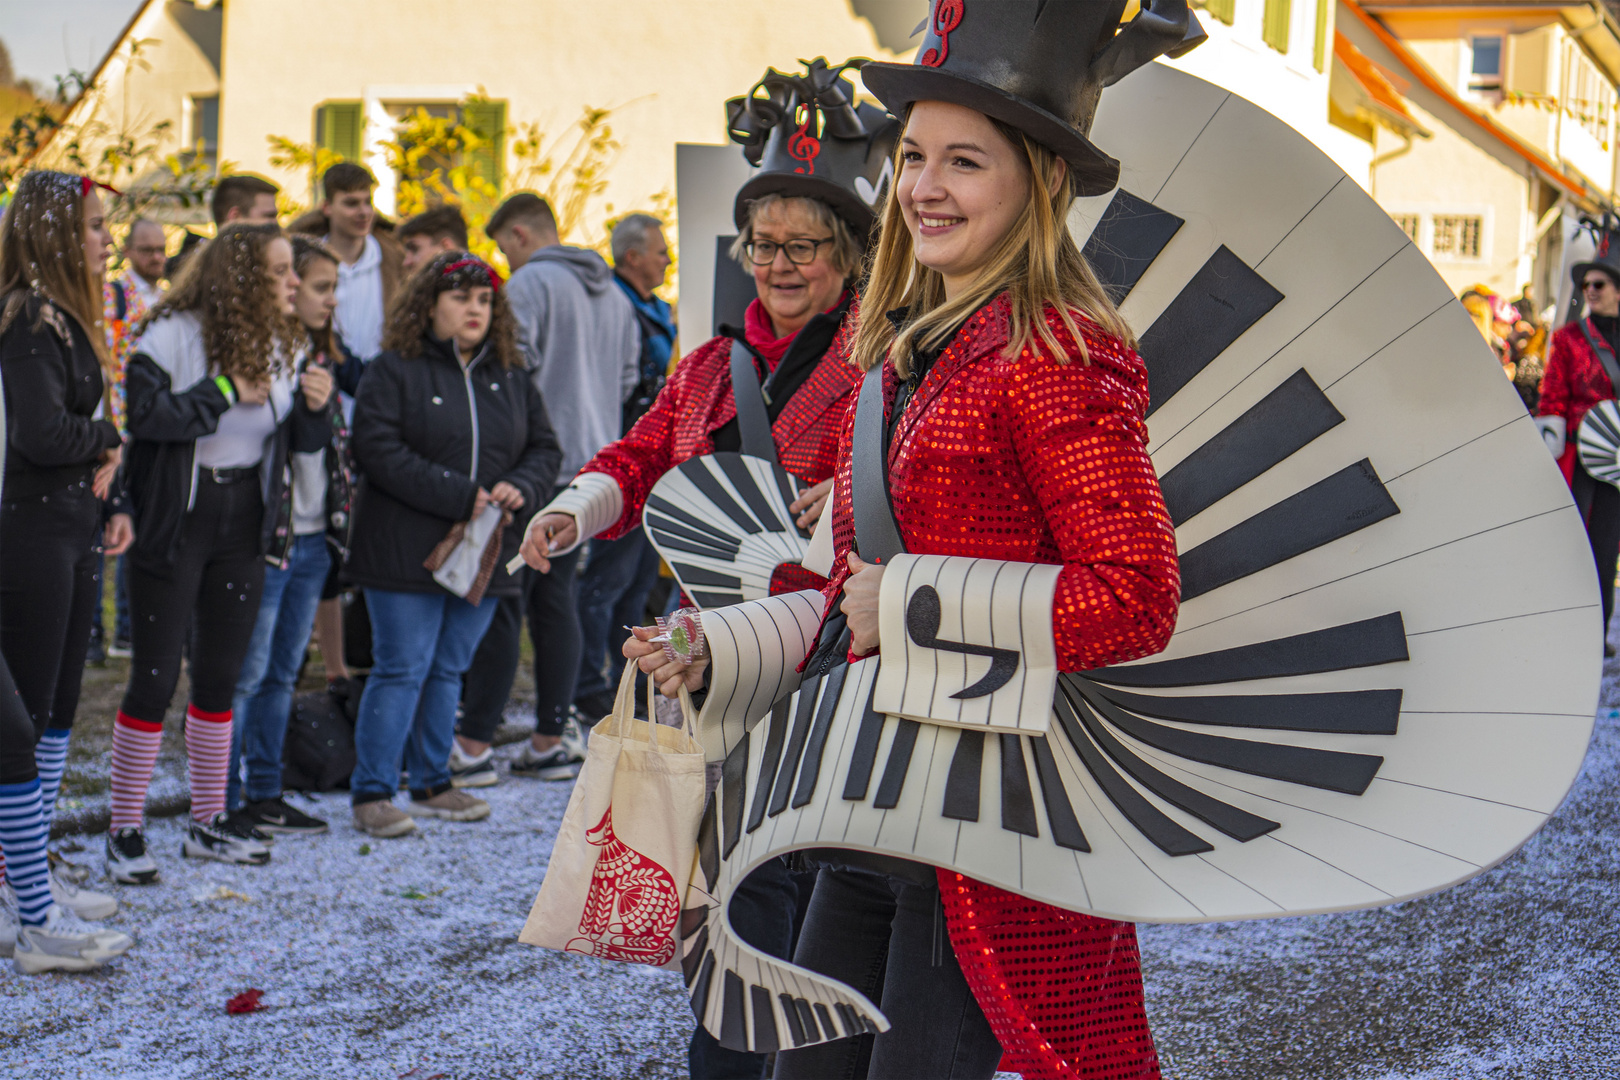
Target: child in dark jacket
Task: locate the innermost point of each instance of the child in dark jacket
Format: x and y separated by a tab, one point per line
446	423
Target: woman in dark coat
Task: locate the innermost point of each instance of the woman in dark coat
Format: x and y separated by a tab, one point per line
447	423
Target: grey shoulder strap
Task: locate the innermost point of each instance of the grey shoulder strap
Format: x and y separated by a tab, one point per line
753	426
877	534
1605	354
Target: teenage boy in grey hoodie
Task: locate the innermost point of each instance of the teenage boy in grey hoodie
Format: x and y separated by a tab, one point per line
582	345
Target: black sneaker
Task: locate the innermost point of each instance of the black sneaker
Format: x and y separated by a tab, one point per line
555	764
226	840
273	816
127	860
468	771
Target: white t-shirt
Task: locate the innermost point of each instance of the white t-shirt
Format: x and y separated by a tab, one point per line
359	315
309	493
243	431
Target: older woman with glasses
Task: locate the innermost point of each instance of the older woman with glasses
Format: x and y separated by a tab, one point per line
1581	372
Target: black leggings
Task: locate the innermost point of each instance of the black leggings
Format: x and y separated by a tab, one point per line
50	585
1600	505
216	582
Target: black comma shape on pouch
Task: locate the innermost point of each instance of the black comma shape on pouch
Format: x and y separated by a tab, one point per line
922	624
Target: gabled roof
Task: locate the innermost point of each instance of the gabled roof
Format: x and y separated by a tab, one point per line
1571	183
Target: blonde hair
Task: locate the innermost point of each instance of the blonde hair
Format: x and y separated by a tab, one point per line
1037	263
846	249
42	251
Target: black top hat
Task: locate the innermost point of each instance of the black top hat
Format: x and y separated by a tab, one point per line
1039	65
1606	235
811	140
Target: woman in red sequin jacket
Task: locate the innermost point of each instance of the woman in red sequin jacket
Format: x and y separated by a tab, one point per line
804	258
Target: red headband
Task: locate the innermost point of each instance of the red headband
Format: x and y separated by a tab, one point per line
85	184
474	262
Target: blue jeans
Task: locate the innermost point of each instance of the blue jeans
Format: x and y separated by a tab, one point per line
264	689
421	645
612	595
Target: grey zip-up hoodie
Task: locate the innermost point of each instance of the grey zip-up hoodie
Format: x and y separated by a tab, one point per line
581	343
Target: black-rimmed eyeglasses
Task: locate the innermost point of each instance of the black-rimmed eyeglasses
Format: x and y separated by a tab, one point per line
799	252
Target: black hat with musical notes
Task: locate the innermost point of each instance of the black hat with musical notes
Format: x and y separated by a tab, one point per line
811	140
1039	65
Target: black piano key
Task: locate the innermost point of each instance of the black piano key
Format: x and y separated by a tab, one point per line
1274	428
791	753
708	843
700	993
669	542
1331	770
696	575
962	781
1066	831
1017	803
733	1030
1128	237
1344	503
827	1022
769	758
704	538
790	1013
864	756
759	503
1223	300
714	599
765	1041
789	487
734	792
697	470
689	962
810	770
1234	821
807	1017
899	763
1161	830
847	1017
1347	712
1367	643
689	519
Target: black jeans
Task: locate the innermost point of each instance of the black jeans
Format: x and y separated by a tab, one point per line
763	909
885	936
50	586
548	601
1599	504
211	591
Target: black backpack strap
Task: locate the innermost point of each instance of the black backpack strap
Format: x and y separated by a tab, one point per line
1605	355
877	534
753	426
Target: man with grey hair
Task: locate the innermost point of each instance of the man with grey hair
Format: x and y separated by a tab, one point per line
620	573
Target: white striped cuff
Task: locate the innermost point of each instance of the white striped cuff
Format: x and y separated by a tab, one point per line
593	500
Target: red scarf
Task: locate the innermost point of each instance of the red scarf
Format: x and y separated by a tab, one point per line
761	334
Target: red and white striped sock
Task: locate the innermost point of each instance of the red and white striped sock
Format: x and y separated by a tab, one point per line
208	754
135	751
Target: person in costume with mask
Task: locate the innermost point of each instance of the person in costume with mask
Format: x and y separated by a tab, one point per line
1011	406
803	221
1580	373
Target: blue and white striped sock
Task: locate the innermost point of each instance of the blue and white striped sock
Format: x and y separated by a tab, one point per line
50	758
22	838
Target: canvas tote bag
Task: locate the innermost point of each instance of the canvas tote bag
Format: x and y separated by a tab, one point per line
625	850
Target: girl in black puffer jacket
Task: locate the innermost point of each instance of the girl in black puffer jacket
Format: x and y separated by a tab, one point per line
446	423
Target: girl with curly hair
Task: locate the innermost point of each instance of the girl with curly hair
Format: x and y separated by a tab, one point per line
58	472
446	423
210	394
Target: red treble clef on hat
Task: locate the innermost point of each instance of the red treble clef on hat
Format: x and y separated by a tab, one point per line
803	146
947	17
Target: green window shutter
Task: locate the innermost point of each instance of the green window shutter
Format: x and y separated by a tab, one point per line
488	119
337	129
1276	25
1224	10
1324	30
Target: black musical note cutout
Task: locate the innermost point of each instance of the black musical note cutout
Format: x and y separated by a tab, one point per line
922	624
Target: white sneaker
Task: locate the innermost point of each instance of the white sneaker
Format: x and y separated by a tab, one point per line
574	736
128	860
82	902
226	839
469	771
66	943
8	919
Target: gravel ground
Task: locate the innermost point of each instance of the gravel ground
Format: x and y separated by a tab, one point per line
398	960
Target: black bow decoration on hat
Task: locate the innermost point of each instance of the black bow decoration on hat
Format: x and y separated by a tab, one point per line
818	102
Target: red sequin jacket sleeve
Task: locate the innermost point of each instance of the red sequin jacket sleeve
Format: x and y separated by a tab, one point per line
1030	460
